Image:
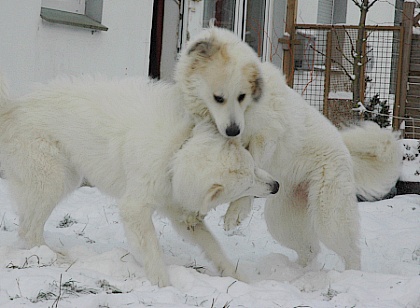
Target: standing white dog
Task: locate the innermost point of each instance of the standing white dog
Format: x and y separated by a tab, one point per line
222	81
132	140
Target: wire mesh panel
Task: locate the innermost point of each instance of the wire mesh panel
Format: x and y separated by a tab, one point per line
324	61
412	104
309	61
381	73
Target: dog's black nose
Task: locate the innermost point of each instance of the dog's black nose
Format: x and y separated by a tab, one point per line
275	187
233	130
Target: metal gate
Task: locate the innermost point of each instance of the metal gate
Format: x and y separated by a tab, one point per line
323	64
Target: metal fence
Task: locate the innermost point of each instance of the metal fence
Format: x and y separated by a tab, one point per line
323	68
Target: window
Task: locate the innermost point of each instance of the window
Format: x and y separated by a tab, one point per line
255	29
222	13
78	13
248	19
325	12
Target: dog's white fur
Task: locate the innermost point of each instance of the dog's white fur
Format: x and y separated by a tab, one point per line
320	170
376	159
132	140
220	67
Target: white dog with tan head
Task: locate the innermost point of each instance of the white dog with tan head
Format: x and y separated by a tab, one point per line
320	169
220	79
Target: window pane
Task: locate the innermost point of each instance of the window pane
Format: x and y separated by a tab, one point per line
254	34
223	12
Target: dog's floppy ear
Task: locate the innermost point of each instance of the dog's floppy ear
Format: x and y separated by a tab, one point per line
257	88
212	194
204	48
255	81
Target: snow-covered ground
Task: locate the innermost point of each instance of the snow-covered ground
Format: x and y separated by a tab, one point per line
410	171
95	269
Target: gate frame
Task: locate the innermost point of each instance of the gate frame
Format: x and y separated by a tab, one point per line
407	24
289	42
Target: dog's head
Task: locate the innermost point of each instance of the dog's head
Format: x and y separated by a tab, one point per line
220	77
210	170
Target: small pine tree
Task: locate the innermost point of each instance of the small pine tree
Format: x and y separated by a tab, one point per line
378	111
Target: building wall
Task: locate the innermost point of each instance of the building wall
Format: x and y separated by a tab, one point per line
325	12
33	50
382	12
169	39
307	12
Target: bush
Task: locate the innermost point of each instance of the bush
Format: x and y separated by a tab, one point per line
378	111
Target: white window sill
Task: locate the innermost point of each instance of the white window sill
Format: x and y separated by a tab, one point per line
71	19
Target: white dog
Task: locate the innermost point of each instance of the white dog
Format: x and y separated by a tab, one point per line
219	79
320	170
376	159
131	139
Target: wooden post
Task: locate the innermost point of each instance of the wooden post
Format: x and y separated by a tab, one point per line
327	71
288	42
358	55
396	122
408	14
363	70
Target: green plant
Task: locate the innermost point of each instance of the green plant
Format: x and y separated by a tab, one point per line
377	110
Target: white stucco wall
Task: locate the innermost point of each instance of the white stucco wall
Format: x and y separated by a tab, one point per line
381	13
169	40
33	50
307	12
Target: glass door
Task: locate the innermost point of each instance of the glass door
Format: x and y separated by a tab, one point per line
255	25
247	18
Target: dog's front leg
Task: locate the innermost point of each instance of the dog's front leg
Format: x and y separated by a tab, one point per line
199	235
143	241
262	148
237	211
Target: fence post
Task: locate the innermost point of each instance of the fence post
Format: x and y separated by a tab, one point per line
288	42
327	79
408	14
363	70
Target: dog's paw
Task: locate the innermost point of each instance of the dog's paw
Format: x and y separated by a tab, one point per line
159	279
352	263
237	212
241	277
231	221
193	219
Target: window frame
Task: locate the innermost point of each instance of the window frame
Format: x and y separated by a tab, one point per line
60	13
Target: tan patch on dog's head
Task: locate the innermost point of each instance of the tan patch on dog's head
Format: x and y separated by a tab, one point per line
224	53
253	75
205	51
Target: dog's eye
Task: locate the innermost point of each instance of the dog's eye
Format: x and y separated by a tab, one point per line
219	99
241	97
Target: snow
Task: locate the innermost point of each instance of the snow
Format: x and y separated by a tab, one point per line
91	267
361	108
340	95
411	160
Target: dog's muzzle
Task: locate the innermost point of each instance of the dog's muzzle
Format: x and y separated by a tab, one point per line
233	130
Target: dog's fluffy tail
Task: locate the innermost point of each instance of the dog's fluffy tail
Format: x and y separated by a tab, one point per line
377	159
